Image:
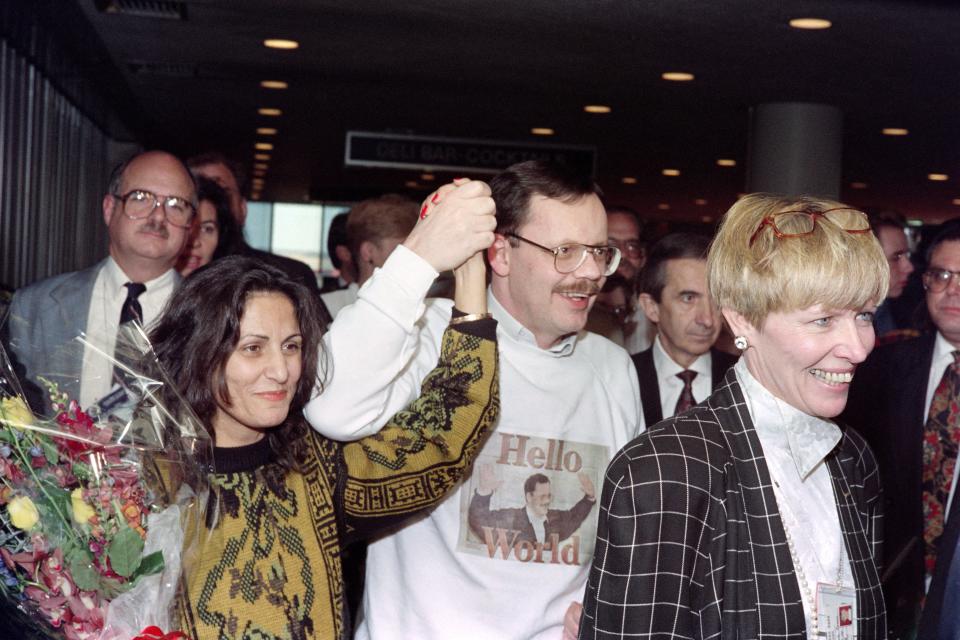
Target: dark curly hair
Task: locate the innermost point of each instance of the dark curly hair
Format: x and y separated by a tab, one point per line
200	329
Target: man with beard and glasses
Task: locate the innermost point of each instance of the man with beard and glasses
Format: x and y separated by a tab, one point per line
682	367
569	400
148	209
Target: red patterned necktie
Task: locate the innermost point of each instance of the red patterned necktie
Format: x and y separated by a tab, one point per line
940	437
686	399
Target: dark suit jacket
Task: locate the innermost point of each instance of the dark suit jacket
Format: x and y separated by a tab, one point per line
562	523
886	404
690	543
941	613
650	386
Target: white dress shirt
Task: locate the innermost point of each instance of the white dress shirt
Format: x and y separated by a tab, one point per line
671	386
795	446
103	320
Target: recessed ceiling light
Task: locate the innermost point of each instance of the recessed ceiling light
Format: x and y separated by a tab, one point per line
913	222
266	131
671	172
263	146
273	84
700	201
269	111
955	202
810	23
411	184
858	185
280	43
706	219
726	162
261	156
255	195
542	131
257	183
663	206
938	177
597	108
259	173
427	177
628	180
677	76
261	165
894	131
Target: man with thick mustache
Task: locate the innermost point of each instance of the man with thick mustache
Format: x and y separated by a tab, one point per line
569	400
682	367
148	209
904	399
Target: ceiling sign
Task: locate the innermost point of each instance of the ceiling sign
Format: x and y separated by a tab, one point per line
365	149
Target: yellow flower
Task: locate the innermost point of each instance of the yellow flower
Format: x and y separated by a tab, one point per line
23	513
14	412
82	511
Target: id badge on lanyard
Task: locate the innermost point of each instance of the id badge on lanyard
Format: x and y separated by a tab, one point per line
836	611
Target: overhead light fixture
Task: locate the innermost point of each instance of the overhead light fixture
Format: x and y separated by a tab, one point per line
411	184
426	177
677	76
700	202
938	177
858	185
628	180
810	23
274	84
269	111
914	222
663	206
894	131
597	108
263	146
955	202
261	156
261	165
671	172
266	131
259	173
280	43
542	131
255	195
726	162
706	219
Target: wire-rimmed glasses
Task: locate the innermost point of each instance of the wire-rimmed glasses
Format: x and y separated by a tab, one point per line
567	258
139	204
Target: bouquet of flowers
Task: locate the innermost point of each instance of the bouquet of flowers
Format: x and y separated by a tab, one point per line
99	506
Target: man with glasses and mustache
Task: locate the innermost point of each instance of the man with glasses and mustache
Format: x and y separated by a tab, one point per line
624	231
148	209
569	400
904	399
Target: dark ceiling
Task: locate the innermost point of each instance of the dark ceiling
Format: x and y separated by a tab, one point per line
494	69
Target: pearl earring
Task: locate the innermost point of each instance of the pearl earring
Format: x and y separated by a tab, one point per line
740	342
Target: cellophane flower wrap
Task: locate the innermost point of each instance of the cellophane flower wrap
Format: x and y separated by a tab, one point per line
100	506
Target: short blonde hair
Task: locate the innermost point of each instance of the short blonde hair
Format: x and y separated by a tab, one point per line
829	266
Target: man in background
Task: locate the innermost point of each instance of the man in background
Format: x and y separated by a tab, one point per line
624	231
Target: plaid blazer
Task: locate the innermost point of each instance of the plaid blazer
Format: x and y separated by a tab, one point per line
690	543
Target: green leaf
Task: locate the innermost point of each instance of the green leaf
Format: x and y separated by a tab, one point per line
124	552
150	564
50	452
85	576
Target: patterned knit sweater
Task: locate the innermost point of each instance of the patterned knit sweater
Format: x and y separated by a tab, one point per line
269	567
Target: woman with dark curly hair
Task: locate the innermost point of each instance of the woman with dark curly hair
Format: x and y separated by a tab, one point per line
241	342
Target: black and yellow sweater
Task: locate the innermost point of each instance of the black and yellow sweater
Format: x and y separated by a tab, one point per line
269	567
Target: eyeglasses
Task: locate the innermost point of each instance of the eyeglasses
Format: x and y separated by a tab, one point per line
793	224
139	204
567	258
938	280
629	248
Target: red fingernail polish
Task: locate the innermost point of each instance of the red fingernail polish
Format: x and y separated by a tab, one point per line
435	197
423	212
